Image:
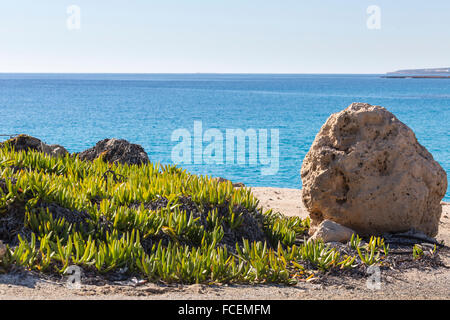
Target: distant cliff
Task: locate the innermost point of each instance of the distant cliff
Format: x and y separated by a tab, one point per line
420	73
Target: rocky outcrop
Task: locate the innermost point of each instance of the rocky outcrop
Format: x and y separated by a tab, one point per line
367	171
330	231
54	150
112	150
235	184
116	150
26	142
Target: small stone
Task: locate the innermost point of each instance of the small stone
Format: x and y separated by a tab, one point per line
330	231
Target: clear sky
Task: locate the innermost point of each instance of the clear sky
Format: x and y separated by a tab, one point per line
223	36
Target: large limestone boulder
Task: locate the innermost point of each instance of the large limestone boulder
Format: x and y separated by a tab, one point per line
116	150
367	171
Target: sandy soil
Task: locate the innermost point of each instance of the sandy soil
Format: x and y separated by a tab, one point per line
287	201
425	283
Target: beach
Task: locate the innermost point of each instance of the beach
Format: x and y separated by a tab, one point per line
415	283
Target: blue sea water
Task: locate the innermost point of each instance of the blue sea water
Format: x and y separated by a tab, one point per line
77	110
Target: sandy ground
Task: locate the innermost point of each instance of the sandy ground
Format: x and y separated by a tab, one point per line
411	284
287	201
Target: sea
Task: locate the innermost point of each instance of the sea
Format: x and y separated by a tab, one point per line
169	113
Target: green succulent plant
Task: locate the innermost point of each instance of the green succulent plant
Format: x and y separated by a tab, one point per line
114	225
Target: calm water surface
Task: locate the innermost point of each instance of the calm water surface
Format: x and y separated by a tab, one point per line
77	110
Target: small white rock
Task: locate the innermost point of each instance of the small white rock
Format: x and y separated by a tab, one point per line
330	231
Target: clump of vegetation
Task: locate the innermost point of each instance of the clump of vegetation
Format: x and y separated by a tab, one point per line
370	252
154	221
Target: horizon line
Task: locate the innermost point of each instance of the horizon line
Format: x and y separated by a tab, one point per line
154	73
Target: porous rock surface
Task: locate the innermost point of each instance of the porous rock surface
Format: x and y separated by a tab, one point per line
116	150
367	171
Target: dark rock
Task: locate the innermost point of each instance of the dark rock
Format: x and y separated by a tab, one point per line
54	150
116	150
25	142
235	184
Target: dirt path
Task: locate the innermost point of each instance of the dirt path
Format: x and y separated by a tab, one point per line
425	283
413	284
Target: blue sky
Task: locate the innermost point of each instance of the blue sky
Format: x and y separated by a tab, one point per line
223	36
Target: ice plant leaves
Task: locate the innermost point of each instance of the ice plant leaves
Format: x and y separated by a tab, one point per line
158	221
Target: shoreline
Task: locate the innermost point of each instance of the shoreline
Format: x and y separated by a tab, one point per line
287	200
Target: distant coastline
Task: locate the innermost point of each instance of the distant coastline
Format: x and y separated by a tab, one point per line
416	77
434	73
